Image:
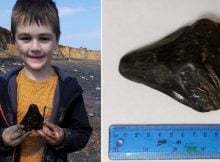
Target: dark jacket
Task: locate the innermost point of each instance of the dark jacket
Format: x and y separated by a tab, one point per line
68	112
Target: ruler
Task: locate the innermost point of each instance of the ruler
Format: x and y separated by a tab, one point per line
164	141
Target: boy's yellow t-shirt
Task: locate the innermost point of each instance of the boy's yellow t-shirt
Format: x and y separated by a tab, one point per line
40	93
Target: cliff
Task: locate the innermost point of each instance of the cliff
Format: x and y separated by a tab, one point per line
7	48
78	53
5	38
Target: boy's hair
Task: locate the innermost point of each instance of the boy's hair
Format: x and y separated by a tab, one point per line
41	12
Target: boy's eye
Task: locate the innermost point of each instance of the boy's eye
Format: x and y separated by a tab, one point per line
25	38
44	39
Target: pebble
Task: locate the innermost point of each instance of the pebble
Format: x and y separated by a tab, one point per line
98	88
83	77
3	70
91	114
14	63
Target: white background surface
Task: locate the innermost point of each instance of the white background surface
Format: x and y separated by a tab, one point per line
131	24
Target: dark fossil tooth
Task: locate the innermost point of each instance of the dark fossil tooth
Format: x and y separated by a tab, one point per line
32	119
184	65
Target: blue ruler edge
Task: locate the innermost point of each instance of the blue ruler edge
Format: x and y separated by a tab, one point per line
164	141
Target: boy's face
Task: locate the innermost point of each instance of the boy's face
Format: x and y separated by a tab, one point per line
36	45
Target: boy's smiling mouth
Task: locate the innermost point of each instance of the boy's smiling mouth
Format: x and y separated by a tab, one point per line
36	57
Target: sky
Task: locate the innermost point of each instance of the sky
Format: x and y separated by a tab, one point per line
80	22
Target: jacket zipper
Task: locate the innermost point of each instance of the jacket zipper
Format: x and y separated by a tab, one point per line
13	156
4	117
7	123
44	152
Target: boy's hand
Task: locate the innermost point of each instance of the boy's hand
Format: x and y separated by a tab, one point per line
14	135
52	133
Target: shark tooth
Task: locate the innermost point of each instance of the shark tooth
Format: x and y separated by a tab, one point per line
32	119
184	65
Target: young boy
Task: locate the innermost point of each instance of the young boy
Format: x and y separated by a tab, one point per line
35	27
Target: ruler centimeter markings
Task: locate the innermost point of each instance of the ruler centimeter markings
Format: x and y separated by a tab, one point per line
164	141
